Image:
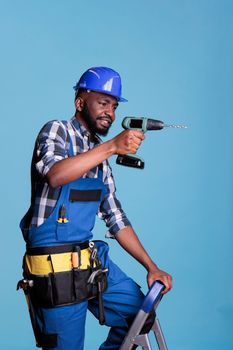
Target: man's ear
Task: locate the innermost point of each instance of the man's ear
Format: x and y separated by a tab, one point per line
79	104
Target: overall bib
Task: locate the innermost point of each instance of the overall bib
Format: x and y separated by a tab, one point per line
71	222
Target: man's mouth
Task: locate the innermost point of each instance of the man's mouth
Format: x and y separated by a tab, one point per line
105	122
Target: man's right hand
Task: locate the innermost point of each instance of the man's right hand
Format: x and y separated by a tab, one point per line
128	141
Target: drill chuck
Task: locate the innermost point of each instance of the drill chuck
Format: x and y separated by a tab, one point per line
146	124
153	124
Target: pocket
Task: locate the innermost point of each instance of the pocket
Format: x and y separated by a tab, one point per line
85	195
63	287
62	232
84	204
85	289
53	289
80	284
42	291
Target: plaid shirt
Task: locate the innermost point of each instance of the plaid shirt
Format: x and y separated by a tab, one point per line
51	146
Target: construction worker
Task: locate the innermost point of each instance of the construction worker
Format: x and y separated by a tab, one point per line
71	183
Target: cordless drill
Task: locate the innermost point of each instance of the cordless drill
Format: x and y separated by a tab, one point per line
141	124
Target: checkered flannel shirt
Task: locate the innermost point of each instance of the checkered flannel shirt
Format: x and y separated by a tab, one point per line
51	146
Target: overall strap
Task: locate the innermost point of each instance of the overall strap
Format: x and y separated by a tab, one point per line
69	132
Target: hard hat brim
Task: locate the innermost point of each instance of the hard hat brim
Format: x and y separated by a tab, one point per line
119	99
122	99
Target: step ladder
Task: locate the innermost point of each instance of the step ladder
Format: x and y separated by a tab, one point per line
133	336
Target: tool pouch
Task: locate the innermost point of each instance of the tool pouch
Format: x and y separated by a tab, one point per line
69	287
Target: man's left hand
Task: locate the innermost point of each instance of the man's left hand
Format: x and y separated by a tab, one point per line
155	274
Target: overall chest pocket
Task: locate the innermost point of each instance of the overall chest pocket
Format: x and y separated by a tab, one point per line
80	214
83	207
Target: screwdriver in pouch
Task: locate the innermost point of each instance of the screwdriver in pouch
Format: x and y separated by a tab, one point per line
142	124
76	258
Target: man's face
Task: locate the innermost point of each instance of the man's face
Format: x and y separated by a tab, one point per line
98	112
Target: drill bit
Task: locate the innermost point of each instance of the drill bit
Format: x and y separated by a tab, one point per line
175	126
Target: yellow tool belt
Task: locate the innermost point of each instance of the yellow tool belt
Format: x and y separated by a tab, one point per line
66	274
45	264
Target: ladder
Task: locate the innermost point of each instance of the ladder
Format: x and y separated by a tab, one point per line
133	336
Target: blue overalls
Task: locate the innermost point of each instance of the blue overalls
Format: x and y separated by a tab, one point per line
123	297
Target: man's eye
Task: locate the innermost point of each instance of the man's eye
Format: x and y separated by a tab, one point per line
103	104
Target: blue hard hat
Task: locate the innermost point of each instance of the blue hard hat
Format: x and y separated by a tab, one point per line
101	79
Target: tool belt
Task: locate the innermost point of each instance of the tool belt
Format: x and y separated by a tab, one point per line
64	275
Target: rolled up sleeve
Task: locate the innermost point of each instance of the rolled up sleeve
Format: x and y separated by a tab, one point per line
110	209
51	143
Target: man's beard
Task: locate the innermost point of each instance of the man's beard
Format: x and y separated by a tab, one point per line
92	123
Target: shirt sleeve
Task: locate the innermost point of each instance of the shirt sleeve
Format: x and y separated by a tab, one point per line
51	146
110	209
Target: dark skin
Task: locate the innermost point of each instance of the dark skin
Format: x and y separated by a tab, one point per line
100	108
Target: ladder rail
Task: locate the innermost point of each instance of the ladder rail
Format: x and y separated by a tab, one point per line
156	328
143	341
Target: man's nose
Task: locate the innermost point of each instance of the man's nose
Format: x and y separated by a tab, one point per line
111	113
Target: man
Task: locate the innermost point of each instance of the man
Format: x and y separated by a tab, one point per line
71	183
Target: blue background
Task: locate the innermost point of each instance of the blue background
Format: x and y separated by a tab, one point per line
175	58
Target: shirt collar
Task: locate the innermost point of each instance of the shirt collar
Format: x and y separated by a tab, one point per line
82	130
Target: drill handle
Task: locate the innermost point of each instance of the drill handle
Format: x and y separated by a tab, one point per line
130	160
